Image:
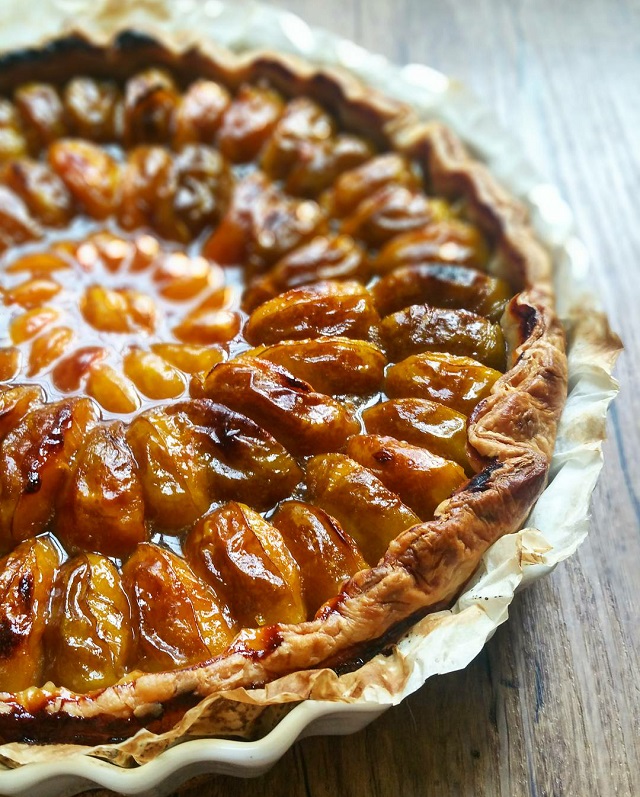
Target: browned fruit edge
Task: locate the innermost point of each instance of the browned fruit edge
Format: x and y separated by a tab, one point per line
511	433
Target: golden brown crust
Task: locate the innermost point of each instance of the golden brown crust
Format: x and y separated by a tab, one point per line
511	433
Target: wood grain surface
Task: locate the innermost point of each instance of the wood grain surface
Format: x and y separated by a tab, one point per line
551	708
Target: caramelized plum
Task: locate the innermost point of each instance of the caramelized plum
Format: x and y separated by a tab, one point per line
181	278
176	196
72	370
93	109
179	620
44	193
190	359
325	162
16	223
92	176
391	211
117	310
325	553
151	101
335	366
173	467
109	387
203	189
13	144
49	347
10	360
206	326
421	479
26	576
302	126
422	328
34	467
322	309
26	326
248	122
423	423
262	225
195	453
200	114
305	152
444	286
356	185
89	635
148	180
324	258
305	422
101	507
457	382
445	241
15	403
244	462
38	264
246	560
32	292
42	114
153	376
364	507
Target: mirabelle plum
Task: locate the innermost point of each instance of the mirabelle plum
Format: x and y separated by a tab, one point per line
421	479
458	382
334	366
246	561
178	619
93	109
325	553
92	176
89	635
423	423
322	309
354	186
444	241
421	328
248	122
367	510
26	577
439	285
304	421
102	507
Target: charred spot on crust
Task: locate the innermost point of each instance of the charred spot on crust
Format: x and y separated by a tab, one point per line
33	55
133	40
39	726
527	317
480	482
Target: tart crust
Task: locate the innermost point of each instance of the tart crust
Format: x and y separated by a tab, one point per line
511	433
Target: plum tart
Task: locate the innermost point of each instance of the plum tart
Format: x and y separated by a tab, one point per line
278	363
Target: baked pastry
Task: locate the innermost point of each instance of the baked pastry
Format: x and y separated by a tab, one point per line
278	364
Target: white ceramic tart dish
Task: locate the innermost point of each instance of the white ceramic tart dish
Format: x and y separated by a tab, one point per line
238	276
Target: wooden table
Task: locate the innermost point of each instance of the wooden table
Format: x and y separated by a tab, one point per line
552	705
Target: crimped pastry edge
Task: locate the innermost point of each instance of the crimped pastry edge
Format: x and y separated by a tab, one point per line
511	433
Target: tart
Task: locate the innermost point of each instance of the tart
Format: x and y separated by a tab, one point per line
278	364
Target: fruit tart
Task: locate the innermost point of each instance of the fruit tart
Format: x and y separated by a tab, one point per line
278	363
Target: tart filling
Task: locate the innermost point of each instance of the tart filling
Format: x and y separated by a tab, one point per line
277	365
